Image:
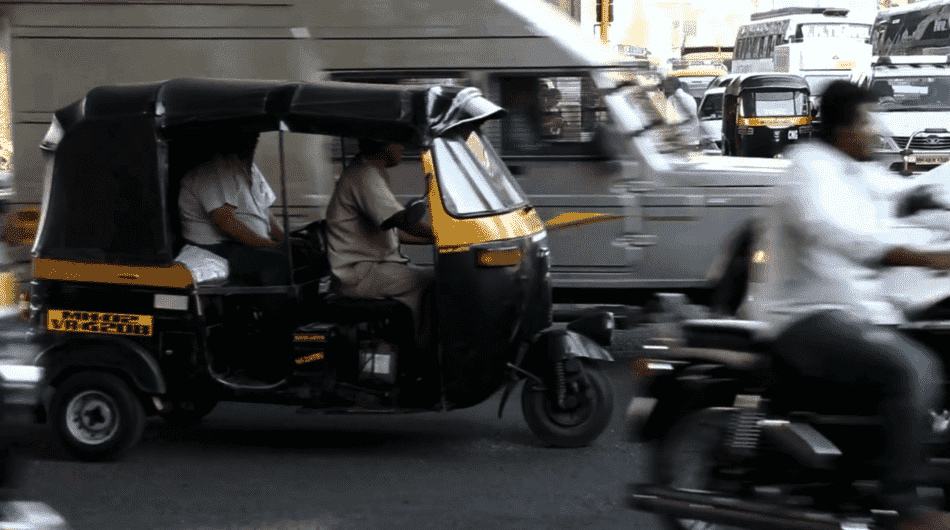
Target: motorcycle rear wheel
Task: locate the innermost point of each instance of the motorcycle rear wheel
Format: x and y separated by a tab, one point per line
685	458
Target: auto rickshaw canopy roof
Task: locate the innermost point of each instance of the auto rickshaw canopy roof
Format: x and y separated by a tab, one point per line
401	113
116	154
766	82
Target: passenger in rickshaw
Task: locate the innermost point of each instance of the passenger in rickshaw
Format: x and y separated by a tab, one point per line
365	226
224	207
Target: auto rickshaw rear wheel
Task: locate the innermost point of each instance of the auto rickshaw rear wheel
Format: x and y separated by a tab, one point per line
95	416
580	419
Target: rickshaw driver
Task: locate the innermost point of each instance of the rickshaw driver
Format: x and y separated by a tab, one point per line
365	225
224	208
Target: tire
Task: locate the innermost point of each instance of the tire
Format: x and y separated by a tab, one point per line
95	416
684	459
189	412
577	427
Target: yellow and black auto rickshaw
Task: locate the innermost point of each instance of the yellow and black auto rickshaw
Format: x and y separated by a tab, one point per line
127	330
763	113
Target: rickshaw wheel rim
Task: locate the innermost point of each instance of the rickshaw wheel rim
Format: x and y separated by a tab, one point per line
92	417
574	416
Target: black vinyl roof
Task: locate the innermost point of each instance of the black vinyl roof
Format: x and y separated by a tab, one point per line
411	114
766	81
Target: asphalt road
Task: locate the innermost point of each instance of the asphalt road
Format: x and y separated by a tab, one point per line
257	466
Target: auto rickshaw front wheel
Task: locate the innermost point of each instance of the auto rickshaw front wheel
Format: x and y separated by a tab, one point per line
579	417
95	416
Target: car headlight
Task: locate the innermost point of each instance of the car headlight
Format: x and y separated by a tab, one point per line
885	143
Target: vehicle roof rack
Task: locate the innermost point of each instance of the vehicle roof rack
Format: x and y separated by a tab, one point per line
787	11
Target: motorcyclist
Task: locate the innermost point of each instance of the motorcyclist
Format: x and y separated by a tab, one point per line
828	238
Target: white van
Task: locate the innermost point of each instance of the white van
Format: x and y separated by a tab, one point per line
913	109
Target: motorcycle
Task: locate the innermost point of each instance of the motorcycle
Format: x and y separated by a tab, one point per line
739	438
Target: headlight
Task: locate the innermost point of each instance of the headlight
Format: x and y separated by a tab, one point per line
885	143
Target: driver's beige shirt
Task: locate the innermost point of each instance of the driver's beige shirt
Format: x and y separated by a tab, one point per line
360	203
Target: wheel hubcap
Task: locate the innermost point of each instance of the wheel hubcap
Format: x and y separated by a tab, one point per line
92	417
579	404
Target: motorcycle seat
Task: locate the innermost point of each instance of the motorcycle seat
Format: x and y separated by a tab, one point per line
726	334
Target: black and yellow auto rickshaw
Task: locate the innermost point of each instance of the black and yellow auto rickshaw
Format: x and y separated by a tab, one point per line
763	113
127	331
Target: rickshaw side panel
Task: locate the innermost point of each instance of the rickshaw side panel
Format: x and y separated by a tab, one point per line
117	328
484	313
109	207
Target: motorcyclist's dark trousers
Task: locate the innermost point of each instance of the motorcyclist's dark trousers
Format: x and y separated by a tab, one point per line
903	376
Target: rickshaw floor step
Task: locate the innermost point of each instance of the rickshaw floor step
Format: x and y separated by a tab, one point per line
358	410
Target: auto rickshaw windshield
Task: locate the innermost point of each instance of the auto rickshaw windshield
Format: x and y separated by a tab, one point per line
770	103
473	178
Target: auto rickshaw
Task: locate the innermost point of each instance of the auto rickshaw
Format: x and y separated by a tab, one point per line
763	113
127	331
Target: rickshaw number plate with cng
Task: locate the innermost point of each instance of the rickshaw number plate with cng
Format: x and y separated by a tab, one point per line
793	135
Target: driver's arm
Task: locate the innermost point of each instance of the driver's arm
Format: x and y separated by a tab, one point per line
227	222
418	234
276	230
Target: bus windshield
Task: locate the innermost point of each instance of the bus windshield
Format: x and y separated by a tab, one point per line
912	93
825	30
473	178
763	104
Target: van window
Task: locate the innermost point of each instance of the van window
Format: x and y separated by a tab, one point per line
712	107
555	115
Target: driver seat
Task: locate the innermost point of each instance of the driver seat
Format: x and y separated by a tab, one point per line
345	310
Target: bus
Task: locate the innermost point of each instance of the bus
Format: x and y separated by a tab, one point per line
921	28
820	44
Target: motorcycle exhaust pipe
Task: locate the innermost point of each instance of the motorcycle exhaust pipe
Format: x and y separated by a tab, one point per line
715	508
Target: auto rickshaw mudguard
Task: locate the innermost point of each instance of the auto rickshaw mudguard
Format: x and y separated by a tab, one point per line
553	345
120	356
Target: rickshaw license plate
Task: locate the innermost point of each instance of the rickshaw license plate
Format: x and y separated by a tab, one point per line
98	322
793	135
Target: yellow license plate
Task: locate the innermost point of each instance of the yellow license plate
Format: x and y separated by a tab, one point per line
70	321
932	160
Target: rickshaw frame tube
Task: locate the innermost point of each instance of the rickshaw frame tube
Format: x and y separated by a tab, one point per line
119	356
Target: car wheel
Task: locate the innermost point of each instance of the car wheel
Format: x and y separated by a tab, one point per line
576	425
95	416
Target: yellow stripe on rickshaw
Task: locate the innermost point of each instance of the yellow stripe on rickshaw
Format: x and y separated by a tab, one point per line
784	121
174	276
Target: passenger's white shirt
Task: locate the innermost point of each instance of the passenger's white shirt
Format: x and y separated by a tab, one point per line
825	240
223	180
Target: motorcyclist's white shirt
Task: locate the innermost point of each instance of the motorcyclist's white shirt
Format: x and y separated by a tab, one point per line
824	240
